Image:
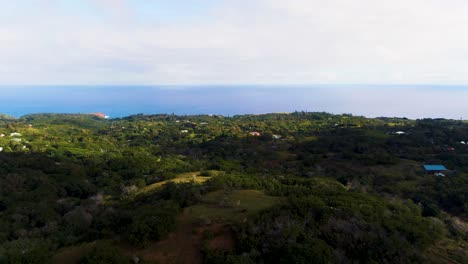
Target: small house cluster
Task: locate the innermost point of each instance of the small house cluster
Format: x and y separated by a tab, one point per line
14	137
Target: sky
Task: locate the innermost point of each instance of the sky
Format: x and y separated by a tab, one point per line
198	42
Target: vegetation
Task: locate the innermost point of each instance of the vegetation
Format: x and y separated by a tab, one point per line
307	188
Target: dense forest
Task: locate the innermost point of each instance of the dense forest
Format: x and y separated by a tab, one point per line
274	188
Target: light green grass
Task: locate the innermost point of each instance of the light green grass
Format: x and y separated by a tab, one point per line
181	178
231	207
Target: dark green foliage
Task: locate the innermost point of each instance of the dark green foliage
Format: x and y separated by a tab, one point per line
313	251
104	253
184	194
347	227
152	223
352	190
28	251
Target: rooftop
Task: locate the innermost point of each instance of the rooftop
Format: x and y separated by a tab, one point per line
435	168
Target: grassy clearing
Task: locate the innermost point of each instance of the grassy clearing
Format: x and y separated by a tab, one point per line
230	207
181	178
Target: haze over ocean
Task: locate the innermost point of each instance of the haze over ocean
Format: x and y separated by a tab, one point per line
118	101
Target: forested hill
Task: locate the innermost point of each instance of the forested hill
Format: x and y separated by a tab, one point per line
274	188
6	118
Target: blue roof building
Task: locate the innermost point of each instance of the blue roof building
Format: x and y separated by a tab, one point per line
434	168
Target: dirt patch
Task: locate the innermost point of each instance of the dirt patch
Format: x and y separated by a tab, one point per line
72	255
223	242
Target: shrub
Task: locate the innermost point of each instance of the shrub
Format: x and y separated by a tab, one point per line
104	253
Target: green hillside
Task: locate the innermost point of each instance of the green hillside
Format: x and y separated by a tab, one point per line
276	188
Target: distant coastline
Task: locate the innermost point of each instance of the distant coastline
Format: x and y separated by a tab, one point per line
34	116
411	101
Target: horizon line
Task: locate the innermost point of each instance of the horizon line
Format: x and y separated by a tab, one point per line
232	115
234	85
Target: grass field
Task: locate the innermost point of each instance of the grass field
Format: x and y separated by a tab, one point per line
230	207
181	178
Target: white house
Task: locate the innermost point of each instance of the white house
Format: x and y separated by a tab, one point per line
400	133
1	149
276	136
15	134
2	135
184	131
463	142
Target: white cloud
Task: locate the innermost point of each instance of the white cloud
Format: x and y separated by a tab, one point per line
255	41
119	9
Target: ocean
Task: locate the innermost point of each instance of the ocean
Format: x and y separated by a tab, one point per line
422	101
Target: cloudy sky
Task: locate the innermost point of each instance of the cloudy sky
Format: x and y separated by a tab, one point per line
233	41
